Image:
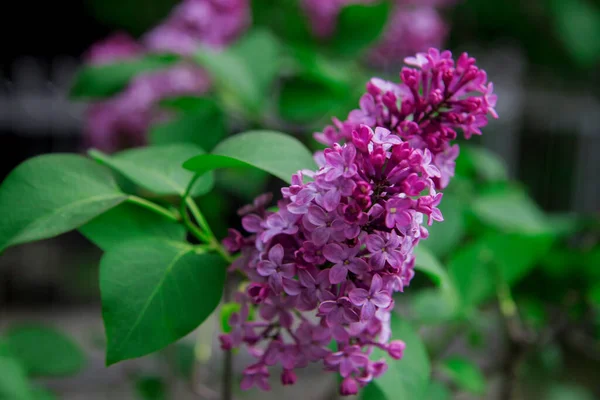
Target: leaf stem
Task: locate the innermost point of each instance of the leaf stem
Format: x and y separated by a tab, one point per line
148	205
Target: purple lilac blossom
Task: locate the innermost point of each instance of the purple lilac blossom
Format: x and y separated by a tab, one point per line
409	30
213	23
119	46
325	266
435	98
123	120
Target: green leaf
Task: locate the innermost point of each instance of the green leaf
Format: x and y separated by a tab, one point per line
242	78
475	267
158	169
359	25
578	22
264	68
568	392
108	79
232	78
226	311
52	194
447	235
129	221
438	305
511	212
185	357
273	152
335	73
13	381
199	121
45	351
465	374
151	388
484	163
433	306
285	17
154	292
438	391
304	99
409	377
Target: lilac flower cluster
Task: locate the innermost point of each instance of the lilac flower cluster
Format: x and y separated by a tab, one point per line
325	265
413	26
436	98
123	121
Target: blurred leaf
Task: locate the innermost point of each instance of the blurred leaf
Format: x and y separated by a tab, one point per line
148	286
264	68
484	163
232	78
409	377
578	24
593	295
285	17
447	236
533	312
45	351
274	152
438	305
244	183
511	212
13	381
432	306
199	121
359	25
335	73
129	221
184	359
551	357
51	194
303	99
475	267
93	81
465	374
568	392
426	262
242	78
158	168
151	388
438	391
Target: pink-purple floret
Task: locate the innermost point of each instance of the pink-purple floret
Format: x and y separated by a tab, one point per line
325	265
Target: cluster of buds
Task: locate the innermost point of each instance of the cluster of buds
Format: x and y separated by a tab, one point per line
436	98
323	268
123	120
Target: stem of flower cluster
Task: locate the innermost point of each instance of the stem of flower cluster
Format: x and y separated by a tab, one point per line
148	205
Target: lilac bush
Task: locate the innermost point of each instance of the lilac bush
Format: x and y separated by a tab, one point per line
325	265
123	120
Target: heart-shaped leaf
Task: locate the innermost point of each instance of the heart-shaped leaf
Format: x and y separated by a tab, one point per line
13	380
108	79
129	221
273	152
45	351
154	292
409	377
52	194
158	168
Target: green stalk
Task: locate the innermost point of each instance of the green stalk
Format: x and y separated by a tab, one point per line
148	205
